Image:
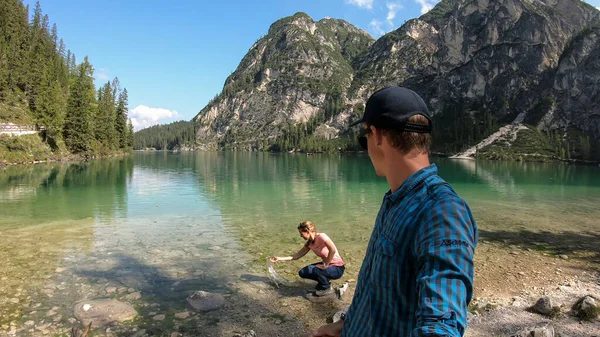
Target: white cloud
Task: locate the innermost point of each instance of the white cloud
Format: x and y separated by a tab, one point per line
427	5
393	8
376	26
598	8
101	74
368	4
143	116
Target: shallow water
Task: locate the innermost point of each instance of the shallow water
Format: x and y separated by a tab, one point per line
168	223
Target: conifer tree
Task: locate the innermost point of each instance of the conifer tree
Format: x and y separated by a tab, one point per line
130	135
121	119
78	128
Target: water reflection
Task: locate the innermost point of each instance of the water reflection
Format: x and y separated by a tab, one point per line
48	212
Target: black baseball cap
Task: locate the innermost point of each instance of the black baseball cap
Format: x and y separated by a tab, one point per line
391	107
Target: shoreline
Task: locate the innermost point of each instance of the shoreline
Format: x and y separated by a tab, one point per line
67	159
74	158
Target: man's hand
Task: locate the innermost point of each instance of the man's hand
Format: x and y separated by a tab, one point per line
274	259
330	330
321	266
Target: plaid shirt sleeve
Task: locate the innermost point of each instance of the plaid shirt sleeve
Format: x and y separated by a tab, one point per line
444	248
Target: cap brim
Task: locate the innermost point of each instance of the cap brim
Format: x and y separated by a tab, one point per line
356	123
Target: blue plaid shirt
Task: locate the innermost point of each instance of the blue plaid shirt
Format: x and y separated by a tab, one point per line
417	275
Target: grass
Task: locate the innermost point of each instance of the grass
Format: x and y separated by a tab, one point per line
24	149
15	114
530	145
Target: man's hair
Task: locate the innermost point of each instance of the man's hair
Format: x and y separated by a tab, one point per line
409	142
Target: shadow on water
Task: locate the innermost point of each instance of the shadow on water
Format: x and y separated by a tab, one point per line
165	295
584	246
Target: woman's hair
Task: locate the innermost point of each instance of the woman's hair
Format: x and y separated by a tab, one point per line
307	226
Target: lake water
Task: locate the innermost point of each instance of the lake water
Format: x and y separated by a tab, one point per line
202	220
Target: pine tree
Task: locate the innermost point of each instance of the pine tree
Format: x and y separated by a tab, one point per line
130	135
50	105
14	33
121	119
104	123
78	129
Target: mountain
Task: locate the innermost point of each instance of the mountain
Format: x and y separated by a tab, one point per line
479	64
288	77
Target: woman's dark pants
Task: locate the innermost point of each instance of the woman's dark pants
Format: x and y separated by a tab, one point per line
322	276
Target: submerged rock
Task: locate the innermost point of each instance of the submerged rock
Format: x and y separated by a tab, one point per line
141	333
133	296
182	315
103	312
204	301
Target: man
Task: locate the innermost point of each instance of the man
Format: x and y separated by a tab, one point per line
417	276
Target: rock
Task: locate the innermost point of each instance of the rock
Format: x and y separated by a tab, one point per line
14	300
133	296
121	290
540	331
51	313
134	280
29	323
547	331
104	311
72	320
130	290
204	301
59	270
587	308
564	257
141	333
111	290
158	317
338	315
182	315
250	333
175	334
543	306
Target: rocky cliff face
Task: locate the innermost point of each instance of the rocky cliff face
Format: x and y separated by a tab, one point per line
535	61
576	86
285	79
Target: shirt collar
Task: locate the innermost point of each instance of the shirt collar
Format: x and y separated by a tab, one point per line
411	183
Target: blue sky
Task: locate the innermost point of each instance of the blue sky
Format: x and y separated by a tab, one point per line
174	56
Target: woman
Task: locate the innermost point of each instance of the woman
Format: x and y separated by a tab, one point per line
332	266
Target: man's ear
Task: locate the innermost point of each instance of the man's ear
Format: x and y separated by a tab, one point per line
377	135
